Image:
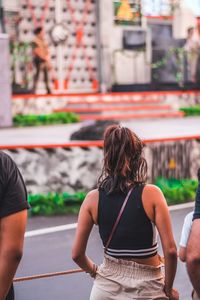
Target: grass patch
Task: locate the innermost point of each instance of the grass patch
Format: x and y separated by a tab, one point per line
48	119
55	204
191	111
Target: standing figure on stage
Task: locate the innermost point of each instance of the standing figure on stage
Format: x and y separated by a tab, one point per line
192	48
41	58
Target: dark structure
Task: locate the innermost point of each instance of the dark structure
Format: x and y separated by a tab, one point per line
92	132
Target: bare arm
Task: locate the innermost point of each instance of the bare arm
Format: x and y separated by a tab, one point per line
162	221
182	254
12	229
193	256
187	225
85	224
37	51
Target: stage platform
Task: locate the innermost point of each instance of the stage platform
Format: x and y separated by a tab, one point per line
105	96
150	130
109	106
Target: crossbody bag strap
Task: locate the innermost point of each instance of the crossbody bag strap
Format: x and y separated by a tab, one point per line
117	220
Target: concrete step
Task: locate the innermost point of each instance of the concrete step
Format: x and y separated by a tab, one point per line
121	108
93	96
113	100
172	114
106	105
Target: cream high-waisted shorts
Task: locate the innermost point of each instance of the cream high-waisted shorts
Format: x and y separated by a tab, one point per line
122	279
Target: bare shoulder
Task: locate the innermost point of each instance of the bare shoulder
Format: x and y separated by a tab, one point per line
153	193
92	195
91	198
152	189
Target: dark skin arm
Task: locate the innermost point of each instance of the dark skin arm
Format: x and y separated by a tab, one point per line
156	208
193	256
85	224
12	230
193	246
182	254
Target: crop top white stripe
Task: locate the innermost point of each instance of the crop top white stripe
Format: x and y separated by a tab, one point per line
128	252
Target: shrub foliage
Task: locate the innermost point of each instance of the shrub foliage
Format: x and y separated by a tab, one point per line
191	111
48	119
175	191
54	203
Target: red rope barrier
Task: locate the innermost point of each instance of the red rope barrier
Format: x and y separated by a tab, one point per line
79	29
46	6
72	12
91	144
33	16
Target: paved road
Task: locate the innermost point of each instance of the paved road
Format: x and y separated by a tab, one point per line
60	134
51	252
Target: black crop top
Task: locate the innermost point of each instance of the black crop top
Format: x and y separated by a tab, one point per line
135	235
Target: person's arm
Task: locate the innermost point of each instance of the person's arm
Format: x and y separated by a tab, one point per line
193	256
37	51
185	236
193	247
85	224
182	254
11	247
163	223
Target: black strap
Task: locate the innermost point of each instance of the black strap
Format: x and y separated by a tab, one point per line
118	219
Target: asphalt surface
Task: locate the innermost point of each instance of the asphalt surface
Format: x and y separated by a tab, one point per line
60	134
51	252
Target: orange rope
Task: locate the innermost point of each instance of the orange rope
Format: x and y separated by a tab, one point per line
79	30
47	275
36	22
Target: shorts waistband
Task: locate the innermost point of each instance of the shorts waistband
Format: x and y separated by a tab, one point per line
128	268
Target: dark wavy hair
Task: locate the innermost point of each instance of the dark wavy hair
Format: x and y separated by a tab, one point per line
124	164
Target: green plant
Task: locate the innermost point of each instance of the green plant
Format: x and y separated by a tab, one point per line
21	58
191	111
177	191
54	203
48	119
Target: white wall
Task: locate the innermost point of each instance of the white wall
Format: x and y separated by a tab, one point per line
11	4
5	86
183	19
127	67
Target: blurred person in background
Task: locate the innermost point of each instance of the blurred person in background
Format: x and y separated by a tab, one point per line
13	216
41	58
132	266
192	47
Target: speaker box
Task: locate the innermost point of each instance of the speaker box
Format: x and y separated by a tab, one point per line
134	39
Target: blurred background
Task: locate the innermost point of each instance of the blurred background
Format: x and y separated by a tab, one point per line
70	68
102	45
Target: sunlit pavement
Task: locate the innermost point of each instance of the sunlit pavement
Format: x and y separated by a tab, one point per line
60	134
51	252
